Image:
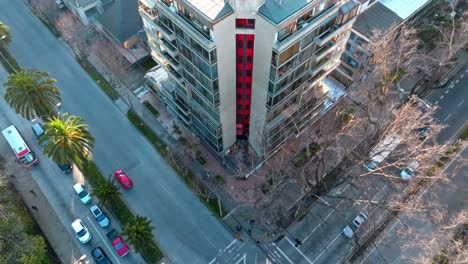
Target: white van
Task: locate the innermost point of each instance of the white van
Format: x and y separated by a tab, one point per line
379	153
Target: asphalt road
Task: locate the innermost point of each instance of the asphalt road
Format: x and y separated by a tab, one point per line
321	230
453	103
185	229
391	247
57	187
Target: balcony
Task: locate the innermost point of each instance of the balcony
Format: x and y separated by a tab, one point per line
169	47
151	13
174	74
327	48
332	32
169	35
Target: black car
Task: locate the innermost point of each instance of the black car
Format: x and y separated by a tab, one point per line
65	168
99	256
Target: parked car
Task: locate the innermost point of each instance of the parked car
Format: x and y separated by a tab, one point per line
100	257
349	230
81	232
117	241
60	4
65	168
82	193
100	217
123	179
39	131
408	172
422	132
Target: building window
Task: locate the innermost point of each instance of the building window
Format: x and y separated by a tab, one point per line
249	44
245	23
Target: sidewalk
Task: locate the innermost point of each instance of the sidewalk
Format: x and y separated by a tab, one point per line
53	229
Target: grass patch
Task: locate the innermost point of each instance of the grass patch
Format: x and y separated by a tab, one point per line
150	251
305	154
147	132
199	157
151	108
148	64
10	63
190	179
103	83
464	135
219	180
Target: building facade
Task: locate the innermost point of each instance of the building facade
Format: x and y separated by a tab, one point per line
246	70
373	15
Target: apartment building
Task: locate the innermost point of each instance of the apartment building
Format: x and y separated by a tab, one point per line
373	15
249	71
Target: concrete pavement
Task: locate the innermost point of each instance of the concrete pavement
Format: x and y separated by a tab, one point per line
184	228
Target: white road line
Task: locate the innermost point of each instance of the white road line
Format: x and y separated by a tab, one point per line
459	104
329	214
255	258
466	70
441	97
463	75
323	251
104	241
446	92
375	247
282	253
448	117
436	102
419	197
242	259
457	81
300	252
230	244
451	86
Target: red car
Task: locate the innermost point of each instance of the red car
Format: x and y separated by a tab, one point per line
123	178
117	241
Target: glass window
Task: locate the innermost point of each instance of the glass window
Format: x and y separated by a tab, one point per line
291	51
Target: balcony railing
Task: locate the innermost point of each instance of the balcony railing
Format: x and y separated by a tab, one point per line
149	12
331	33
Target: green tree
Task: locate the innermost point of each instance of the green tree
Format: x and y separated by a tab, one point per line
67	139
5	35
32	93
106	191
138	232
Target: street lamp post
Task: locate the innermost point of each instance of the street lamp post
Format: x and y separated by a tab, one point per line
3	56
57	107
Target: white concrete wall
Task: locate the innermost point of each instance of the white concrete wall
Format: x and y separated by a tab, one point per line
225	40
264	40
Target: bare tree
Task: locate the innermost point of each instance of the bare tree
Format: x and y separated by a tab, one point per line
451	36
46	9
109	55
75	33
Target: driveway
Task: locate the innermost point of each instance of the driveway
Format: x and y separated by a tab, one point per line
185	229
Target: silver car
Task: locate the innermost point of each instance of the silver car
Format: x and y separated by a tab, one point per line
349	231
100	217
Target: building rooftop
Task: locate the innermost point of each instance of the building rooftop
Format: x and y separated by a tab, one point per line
377	17
212	9
385	13
404	8
279	10
121	19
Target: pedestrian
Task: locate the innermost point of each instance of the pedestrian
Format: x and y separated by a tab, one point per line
33	192
237	236
252	222
238	228
35	208
249	231
258	242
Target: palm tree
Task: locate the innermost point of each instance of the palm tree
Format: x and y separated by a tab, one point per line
32	93
106	191
5	36
67	139
138	232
